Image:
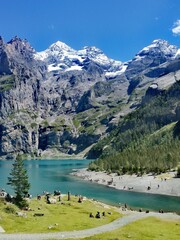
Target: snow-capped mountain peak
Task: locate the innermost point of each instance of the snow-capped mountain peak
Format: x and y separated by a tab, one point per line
97	56
55	50
158	46
61	57
153	55
92	49
60	46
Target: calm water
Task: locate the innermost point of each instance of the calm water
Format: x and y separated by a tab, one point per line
50	175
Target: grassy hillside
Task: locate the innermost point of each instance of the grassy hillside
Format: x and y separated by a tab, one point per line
62	216
145	140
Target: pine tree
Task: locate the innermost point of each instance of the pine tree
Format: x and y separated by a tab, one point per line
19	181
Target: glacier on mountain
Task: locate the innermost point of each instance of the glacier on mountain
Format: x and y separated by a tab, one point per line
61	57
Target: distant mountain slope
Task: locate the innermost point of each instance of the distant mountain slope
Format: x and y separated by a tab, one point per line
146	140
62	101
155	153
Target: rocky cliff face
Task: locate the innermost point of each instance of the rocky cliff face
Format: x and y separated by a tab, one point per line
61	101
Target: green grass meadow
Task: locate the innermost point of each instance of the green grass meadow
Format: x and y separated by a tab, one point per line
71	215
68	216
150	228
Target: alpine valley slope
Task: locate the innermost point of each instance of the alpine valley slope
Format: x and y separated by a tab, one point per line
61	101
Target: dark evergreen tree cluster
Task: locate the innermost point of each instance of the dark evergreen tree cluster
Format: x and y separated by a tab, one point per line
147	140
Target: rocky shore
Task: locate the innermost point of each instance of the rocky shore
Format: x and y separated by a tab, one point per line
165	183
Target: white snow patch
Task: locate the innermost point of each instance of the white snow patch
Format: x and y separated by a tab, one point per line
124	67
154	86
52	67
138	58
177	54
117	73
146	49
74	68
41	55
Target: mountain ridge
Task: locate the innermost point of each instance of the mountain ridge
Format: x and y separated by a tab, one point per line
64	100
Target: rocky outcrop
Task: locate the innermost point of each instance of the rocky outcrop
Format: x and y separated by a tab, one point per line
65	142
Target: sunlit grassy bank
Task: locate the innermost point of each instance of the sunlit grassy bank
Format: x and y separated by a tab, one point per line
62	216
150	228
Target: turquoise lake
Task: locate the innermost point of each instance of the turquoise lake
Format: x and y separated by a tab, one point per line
50	175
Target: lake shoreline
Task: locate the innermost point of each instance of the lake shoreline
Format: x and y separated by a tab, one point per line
55	175
165	184
60	157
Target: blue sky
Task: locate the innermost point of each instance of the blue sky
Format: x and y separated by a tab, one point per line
120	28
